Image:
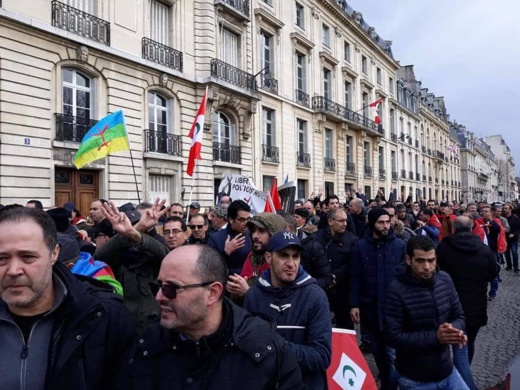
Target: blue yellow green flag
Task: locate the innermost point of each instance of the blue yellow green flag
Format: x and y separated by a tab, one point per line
107	136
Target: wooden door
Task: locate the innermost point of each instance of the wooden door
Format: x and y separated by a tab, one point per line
79	187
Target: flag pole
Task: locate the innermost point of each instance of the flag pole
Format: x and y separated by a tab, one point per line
191	193
135	176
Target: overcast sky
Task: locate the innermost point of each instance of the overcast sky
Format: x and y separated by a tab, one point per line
465	50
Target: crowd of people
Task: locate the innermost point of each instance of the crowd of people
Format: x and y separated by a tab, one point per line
159	296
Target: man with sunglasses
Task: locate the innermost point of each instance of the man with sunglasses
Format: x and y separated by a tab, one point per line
204	341
199	227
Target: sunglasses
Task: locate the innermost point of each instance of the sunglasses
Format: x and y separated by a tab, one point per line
169	290
193	227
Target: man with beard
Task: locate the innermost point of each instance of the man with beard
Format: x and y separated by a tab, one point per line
288	295
261	227
375	260
203	341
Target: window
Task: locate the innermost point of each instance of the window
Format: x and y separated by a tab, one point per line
300	72
364	65
346	51
84	5
329	188
381	158
350	150
229	47
326	35
378	76
366	154
393	161
392	121
302	136
391	84
268	128
78	94
302	185
160	187
267	182
327	83
157	113
348	95
159	22
328	144
266	52
223	129
300	16
268	2
365	104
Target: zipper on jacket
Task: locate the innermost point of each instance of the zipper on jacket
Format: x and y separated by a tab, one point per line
25	354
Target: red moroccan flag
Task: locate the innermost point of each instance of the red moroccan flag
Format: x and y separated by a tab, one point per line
348	368
275	199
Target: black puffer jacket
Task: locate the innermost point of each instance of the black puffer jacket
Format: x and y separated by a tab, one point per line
244	353
414	309
314	261
471	265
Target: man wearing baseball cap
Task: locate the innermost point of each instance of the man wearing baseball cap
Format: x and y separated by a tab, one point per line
292	298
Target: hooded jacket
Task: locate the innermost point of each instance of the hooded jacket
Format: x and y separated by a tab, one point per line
414	310
76	345
301	312
374	266
471	265
244	353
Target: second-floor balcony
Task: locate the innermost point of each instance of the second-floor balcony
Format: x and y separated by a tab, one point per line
429	151
72	128
239	8
439	155
162	54
393	137
417	143
394	175
330	164
423	149
351	168
382	173
79	22
226	153
301	98
303	159
270	153
230	74
269	83
367	169
162	142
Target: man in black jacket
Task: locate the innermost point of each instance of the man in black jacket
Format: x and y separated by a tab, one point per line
512	239
204	341
56	331
423	318
338	244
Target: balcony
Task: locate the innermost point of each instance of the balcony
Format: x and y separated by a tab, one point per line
330	164
410	141
270	153
439	155
79	22
226	153
393	137
340	113
394	175
162	54
239	8
382	173
417	143
403	173
302	98
232	75
367	170
162	142
429	152
410	175
72	128
417	177
423	149
303	159
269	83
351	168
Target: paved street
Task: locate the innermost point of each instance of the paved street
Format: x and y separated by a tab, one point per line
499	342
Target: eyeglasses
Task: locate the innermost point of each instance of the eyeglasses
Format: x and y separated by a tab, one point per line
193	227
169	290
340	220
242	220
174	232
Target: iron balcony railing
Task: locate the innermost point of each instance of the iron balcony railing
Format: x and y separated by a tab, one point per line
439	155
394	175
270	153
393	137
302	98
269	83
410	141
368	170
382	173
232	75
351	168
72	128
321	103
403	173
162	142
226	153
303	159
240	5
380	129
429	151
79	22
330	164
162	54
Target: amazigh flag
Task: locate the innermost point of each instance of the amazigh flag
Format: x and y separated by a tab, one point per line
196	136
273	203
375	106
348	368
107	136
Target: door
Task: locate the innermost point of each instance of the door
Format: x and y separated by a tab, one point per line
79	187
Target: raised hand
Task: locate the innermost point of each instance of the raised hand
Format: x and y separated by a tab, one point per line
120	222
150	217
232	245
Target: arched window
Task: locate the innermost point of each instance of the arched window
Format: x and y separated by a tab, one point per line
77	106
159	125
225	147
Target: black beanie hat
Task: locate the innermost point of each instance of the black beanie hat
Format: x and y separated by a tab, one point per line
374	214
304	213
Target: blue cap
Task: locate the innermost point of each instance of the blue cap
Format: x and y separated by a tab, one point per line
282	240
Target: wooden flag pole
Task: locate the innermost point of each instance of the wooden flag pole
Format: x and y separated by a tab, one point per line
135	177
191	194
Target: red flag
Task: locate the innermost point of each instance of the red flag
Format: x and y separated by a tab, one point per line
196	136
375	106
275	199
348	368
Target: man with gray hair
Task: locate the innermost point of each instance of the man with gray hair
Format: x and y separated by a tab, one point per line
217	218
359	216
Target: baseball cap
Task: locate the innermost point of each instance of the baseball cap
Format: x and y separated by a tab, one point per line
69	248
69	206
282	240
133	215
104	227
195	205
